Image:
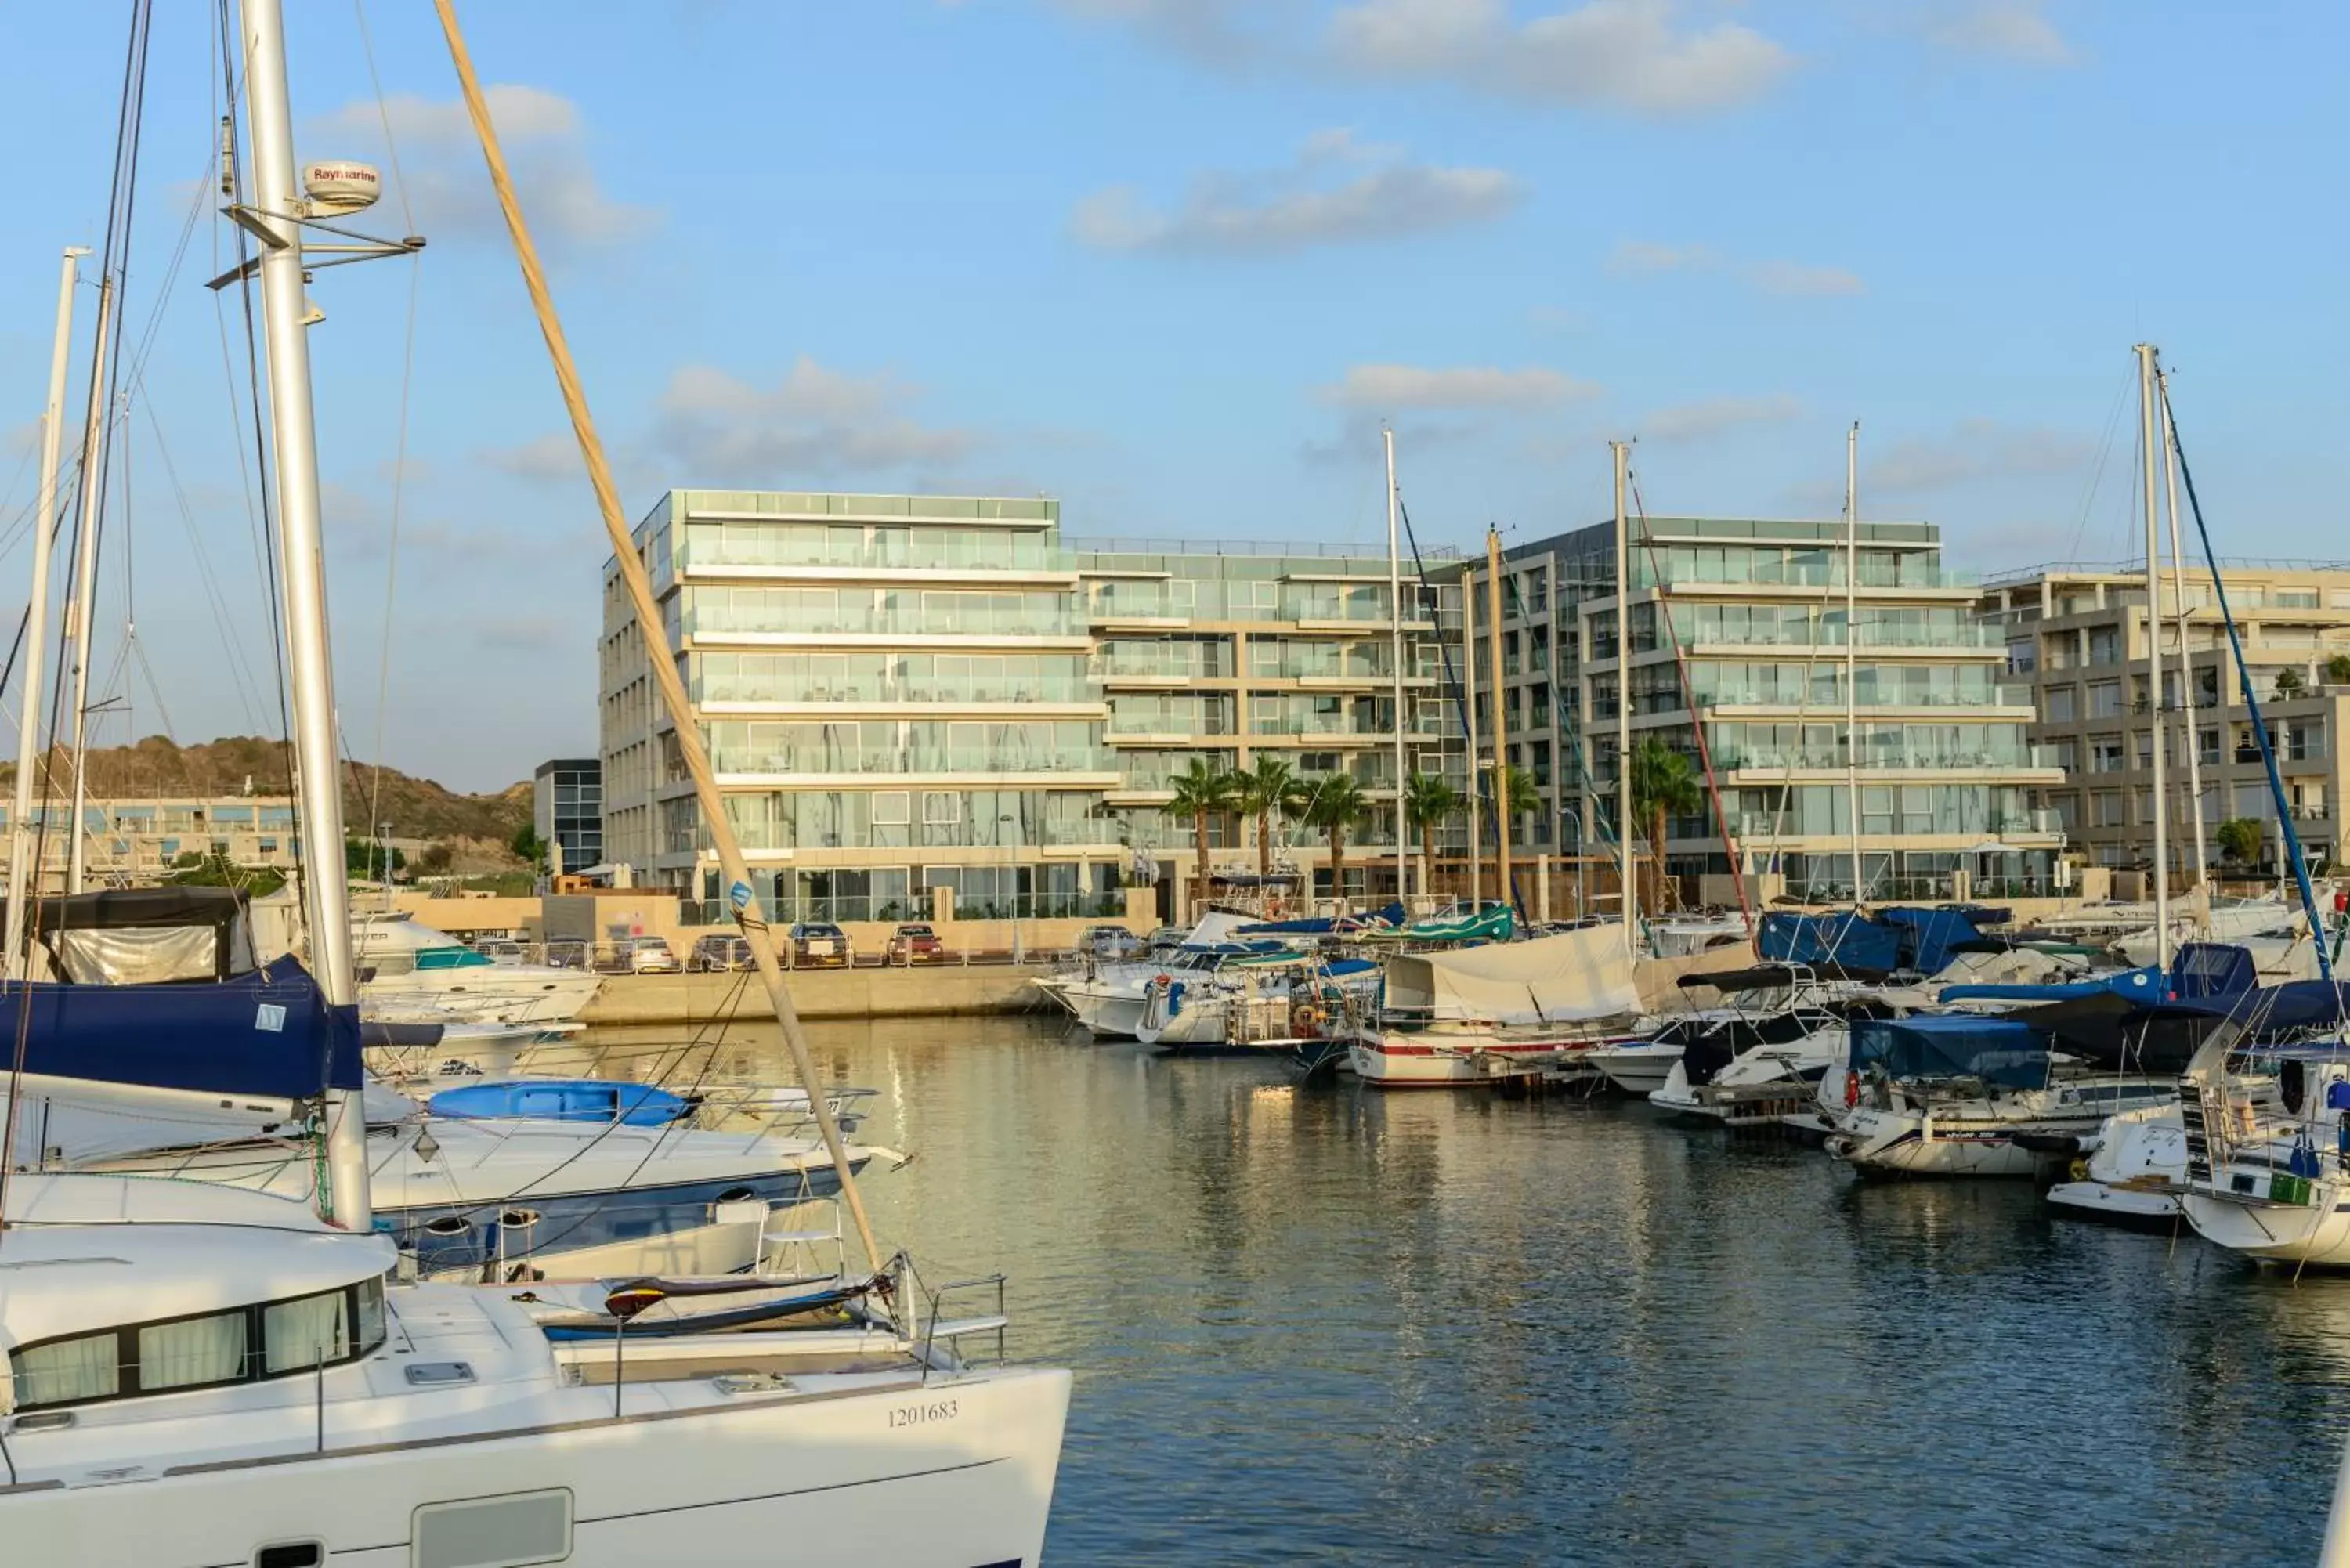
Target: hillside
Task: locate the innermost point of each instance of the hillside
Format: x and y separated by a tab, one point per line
416	808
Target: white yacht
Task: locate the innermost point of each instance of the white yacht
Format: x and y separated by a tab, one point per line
1792	1048
1956	1095
198	1377
1254	1004
1450	1018
2133	1173
412	973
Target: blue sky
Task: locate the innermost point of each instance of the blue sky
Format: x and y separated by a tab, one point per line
1174	261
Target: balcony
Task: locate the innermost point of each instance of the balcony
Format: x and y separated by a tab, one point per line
930	620
885	549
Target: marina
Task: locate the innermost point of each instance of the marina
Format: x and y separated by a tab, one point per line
1449	1327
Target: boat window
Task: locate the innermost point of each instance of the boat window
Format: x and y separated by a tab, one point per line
192	1351
199	1352
67	1370
307	1332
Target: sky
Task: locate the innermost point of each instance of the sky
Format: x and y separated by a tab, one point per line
1175	262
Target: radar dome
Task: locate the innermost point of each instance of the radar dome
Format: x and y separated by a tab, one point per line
341	187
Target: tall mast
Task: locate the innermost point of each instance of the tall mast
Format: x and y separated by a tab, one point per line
1503	888
276	203
2185	671
2146	437
1395	606
24	876
1621	455
85	578
658	653
1852	653
1469	710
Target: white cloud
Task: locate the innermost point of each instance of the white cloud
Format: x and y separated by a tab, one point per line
1781	277
1394	387
1712	417
1221	33
2014	30
1336	190
552	458
448	186
1621	54
813	422
1975	449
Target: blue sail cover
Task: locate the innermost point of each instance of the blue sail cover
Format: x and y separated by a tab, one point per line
1930	938
268	1032
1996	1050
1850	938
2203	970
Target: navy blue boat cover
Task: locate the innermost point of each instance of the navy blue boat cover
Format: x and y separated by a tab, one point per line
2201	970
1850	938
1996	1050
267	1033
1932	937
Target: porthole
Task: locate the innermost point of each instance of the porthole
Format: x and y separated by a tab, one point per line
448	1225
518	1219
291	1555
737	1194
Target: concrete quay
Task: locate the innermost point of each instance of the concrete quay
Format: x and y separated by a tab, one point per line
633	998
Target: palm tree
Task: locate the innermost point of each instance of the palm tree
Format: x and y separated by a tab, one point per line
1430	801
1514	788
1663	785
1271	788
1202	790
1332	805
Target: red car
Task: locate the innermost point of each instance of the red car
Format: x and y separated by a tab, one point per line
914	943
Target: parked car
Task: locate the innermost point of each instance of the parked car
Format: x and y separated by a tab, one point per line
570	953
1108	943
720	952
915	942
815	943
640	955
499	950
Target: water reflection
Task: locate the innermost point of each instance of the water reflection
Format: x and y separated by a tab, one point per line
1317	1323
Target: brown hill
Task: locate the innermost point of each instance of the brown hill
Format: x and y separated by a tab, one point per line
416	808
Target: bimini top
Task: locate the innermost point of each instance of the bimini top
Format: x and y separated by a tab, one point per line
1996	1050
141	936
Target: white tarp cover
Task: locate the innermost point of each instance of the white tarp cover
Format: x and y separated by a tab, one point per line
1574	975
140	955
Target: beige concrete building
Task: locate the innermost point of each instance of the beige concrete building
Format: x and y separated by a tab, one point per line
2078	633
139	840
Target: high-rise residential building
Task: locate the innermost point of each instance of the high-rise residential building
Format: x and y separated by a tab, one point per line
1745	626
907	694
567	812
2078	633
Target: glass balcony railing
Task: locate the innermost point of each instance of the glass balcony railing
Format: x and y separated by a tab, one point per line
1831	758
910	759
937	687
1905	574
929	620
885	549
1196	719
1761	632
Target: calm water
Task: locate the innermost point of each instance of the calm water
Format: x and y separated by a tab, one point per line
1327	1324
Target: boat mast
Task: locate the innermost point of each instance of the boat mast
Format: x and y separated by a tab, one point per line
1503	887
1621	454
1851	654
85	578
1469	732
1394	608
659	655
276	205
2186	674
24	876
2146	437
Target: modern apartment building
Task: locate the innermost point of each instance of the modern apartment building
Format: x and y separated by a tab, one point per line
906	694
567	812
138	840
2079	635
1755	612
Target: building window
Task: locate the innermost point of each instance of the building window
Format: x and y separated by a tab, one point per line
2106	808
2064	704
2104	754
941	807
2104	698
2106	645
893	808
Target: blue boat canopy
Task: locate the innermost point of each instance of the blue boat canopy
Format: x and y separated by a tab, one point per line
1996	1050
267	1033
1850	938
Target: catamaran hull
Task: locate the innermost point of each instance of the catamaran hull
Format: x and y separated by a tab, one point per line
951	1472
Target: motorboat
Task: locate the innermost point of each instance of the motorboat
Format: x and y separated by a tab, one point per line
410	972
1254	1004
1954	1096
220	1376
2132	1175
1641	1067
1452	1017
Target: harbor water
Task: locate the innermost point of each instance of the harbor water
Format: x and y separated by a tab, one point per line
1323	1324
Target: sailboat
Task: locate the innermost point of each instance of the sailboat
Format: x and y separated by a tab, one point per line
272	1393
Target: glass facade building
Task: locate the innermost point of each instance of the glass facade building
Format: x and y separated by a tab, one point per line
568	811
1742	627
905	694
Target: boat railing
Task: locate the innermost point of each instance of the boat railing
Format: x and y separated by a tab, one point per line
937	1326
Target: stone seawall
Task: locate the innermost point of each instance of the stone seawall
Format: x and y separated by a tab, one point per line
820	993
